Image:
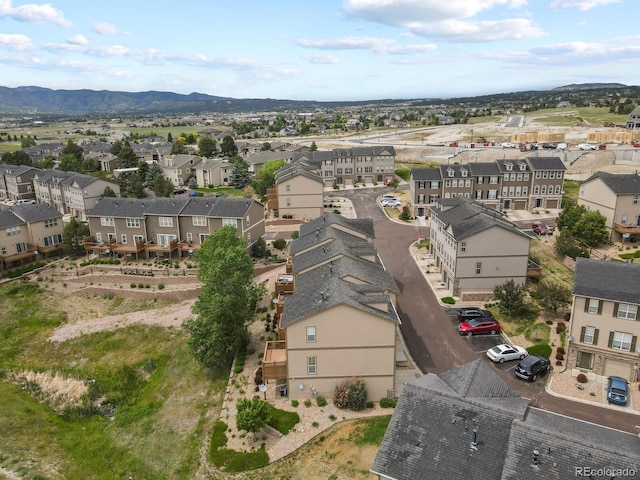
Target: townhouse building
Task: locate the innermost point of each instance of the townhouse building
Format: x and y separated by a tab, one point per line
18	181
350	166
605	323
179	168
520	184
3	185
298	192
70	193
339	318
214	172
168	227
475	247
29	232
617	197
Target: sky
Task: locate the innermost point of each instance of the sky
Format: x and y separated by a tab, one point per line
323	50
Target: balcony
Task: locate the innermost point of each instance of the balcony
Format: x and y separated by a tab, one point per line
158	248
30	252
126	248
274	362
92	245
188	247
533	269
285	284
623	228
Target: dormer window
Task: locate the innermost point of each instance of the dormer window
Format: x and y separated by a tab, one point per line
464	172
508	166
523	166
450	172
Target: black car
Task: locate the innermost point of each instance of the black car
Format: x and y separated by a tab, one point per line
530	367
179	191
465	314
549	146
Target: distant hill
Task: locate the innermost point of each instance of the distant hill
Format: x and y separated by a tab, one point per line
44	101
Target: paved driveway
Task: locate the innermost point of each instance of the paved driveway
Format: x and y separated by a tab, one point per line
428	329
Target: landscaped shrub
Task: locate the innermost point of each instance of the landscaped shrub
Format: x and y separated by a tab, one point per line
581	378
559	363
387	402
161	286
561	327
133	285
561	350
307	403
448	300
543	349
369	404
279	243
294	403
322	402
351	393
559	356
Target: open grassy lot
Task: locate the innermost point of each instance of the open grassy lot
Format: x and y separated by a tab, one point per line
162	399
570	117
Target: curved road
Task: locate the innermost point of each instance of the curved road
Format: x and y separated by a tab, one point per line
426	328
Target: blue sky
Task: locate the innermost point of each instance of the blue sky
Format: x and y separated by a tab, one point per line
319	49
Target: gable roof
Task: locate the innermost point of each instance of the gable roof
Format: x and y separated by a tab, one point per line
425	174
36	212
546	163
452	426
8	218
619	183
615	281
467	218
362	226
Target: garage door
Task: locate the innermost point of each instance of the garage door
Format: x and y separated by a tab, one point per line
520	205
552	203
617	368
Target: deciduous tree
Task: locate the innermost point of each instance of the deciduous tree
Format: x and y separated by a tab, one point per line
552	296
226	304
73	235
252	415
207	146
511	296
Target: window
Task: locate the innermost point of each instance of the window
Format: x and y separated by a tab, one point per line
518	191
536	190
511	191
422	185
13	231
519	177
492	195
636	199
623	219
3	250
505	191
557	189
233	222
467	183
137	238
98	237
106	221
478	268
287	188
53	240
545	174
509	165
447	183
478	194
480	180
21	247
133	222
620	341
433	198
123	238
543	190
630	312
493	180
52	222
199	221
435	185
421	198
538	174
312	366
311	334
165	240
593	306
589	335
525	191
454	183
463	246
512	177
165	221
463	172
526	177
552	174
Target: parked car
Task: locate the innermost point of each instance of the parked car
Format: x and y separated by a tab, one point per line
586	146
25	202
504	353
477	326
617	391
179	191
473	312
195	193
388	196
391	203
549	146
508	145
541	229
531	366
561	146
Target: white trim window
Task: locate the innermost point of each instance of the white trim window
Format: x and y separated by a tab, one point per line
165	221
478	268
622	341
589	335
52	222
133	222
199	221
123	238
312	365
628	311
594	306
311	334
232	222
107	221
13	230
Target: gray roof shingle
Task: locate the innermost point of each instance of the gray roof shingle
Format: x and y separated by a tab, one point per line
619	183
615	281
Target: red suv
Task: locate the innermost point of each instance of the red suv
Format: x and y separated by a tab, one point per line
479	325
541	229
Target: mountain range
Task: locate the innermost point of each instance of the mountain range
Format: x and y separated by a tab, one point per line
35	100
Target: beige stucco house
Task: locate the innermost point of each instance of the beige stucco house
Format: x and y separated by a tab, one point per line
340	320
475	247
179	168
604	319
617	197
213	172
298	192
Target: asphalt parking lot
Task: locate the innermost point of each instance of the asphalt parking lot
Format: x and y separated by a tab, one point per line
481	343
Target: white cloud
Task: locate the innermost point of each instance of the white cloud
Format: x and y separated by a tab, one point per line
17	42
447	20
104	28
78	39
322	58
33	13
378	45
582	5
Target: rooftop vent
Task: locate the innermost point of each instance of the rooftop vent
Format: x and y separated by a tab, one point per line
534	461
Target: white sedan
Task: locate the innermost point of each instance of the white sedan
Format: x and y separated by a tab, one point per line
586	146
391	203
503	353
